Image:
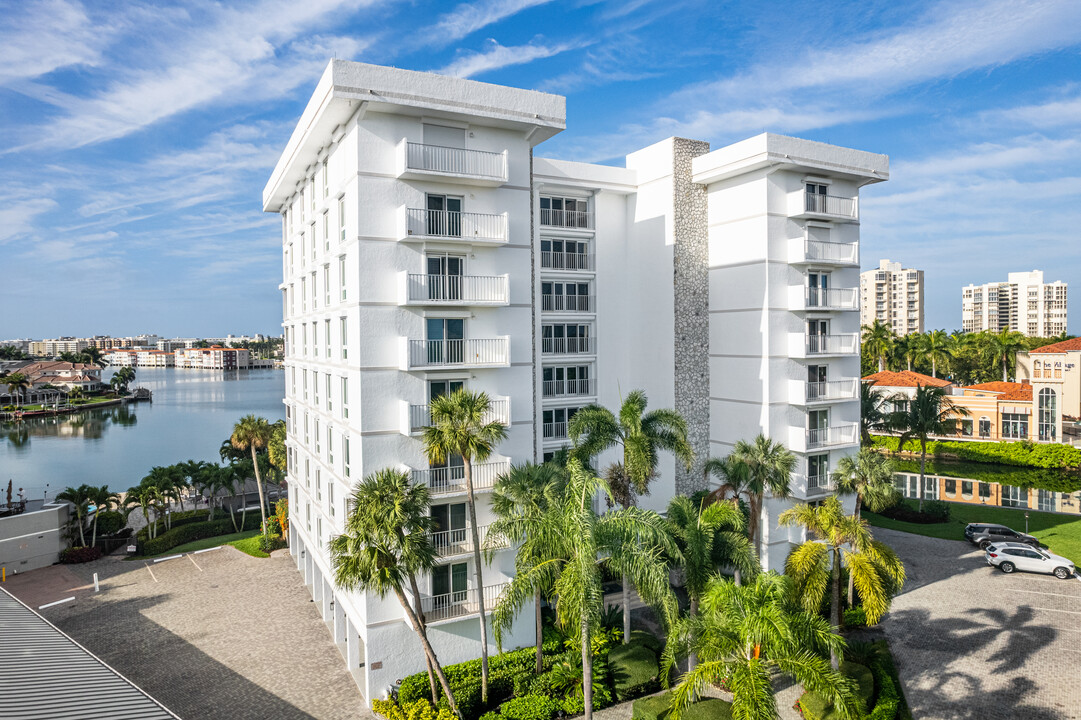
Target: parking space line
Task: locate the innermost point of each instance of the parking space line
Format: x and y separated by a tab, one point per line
1037	592
150	571
195	563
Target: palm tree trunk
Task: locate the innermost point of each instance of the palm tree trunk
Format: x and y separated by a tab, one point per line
626	609
79	519
1004	368
419	610
738	578
881	363
923	463
692	657
540	630
934	367
258	487
429	653
94	529
851	580
835	603
752	524
587	668
467	469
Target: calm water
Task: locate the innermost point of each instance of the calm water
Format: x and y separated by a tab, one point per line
192	413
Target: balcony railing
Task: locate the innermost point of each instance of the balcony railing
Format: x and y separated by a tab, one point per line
420	416
844	344
567	346
453	225
830	252
567	388
459	604
573	219
831	390
834	205
555	430
819	483
459	162
451	479
459	353
457	289
830	436
460	541
566	260
568	303
831	298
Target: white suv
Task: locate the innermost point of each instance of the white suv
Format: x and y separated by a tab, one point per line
1010	556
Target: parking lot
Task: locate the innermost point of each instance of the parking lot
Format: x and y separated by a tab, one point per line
974	643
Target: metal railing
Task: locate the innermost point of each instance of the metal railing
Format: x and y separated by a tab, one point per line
566	346
457	289
555	430
575	219
451	479
830	251
830	205
566	260
832	390
459	541
568	303
819	483
420	416
832	344
459	604
481	351
567	388
842	298
456	161
835	435
454	225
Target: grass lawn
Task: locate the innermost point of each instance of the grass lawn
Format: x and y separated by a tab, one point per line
246	542
1060	533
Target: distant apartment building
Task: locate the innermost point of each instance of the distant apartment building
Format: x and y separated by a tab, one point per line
1024	304
106	342
121	358
425	249
213	358
22	344
155	358
1055	372
893	295
50	348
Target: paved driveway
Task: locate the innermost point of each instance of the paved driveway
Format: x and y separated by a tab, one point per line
973	643
214	635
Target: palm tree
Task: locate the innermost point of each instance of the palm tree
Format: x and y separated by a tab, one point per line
868	475
92	356
753	469
519	501
80	498
17	383
461	426
928	412
253	433
840	541
1004	347
872	414
143	497
878	339
386	544
577	545
906	349
102	499
163	481
745	635
276	447
936	346
594	429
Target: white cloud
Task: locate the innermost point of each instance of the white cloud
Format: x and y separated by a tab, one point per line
467	18
497	56
17	215
1052	114
39	37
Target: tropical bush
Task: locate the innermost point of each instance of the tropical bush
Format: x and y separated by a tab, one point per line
658	707
75	555
634	670
269	542
175	520
419	710
855	617
641	637
194	531
1052	455
110	522
529	707
817	707
934	511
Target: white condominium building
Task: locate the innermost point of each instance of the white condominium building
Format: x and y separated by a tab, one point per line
1024	304
425	248
893	295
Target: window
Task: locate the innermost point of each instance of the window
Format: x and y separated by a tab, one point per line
444	216
345	397
315	389
318	485
341	275
568	297
315	294
341	220
330	446
326	285
446	343
293	380
564	212
444	276
344	341
565	255
326	180
985	427
311	191
345	455
818	285
326	337
326	230
816	197
304	378
330	403
1013	496
307	438
562	381
448	527
449	583
1014	426
555	422
303	294
566	339
951	487
818	473
330	494
1047	414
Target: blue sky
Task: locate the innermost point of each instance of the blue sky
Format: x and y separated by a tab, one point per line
135	139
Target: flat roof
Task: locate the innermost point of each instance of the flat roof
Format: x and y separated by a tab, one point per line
49	676
782	151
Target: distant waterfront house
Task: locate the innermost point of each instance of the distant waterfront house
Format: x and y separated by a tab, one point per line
213	358
68	376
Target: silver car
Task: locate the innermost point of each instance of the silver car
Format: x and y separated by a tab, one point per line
1010	556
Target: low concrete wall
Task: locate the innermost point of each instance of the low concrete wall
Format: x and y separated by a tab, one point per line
33	540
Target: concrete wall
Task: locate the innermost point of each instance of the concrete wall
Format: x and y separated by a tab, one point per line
33	540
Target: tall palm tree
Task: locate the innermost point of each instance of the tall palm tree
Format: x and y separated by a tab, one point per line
928	412
386	544
520	498
745	635
872	414
754	469
462	426
276	447
641	435
840	541
1004	346
253	433
17	383
936	346
163	481
577	545
906	349
102	499
878	339
80	498
92	356
141	496
869	476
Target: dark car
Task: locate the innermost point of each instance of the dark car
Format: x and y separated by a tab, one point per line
983	534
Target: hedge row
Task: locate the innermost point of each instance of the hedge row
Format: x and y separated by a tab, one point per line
175	520
658	707
1025	454
194	531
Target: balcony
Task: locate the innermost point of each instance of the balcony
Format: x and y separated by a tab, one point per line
568	303
567	388
451	480
815	298
421	224
450	543
554	430
567	346
463	603
439	354
813	484
803	251
810	393
833	436
814	345
566	219
828	207
417	161
566	261
418	417
457	290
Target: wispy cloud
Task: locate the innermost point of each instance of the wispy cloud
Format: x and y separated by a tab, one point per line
467	18
1052	114
37	38
497	56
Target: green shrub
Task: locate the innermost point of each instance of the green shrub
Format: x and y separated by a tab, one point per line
576	705
641	637
491	715
419	710
269	542
658	707
194	531
176	520
75	555
855	617
817	707
529	707
634	670
1052	455
711	709
110	522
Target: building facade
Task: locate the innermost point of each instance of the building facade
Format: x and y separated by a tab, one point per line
1055	373
51	348
212	358
892	295
1024	304
425	248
